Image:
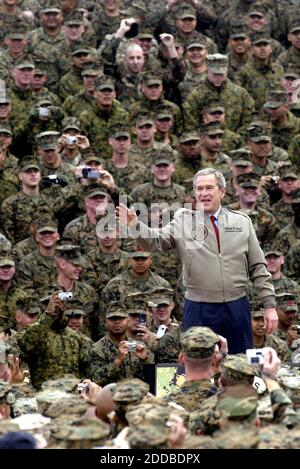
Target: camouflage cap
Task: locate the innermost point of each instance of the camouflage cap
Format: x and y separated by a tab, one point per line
271	250
74	310
28	162
51	6
17	30
103	83
6	394
43	225
149	435
139	254
80	48
237	368
151	411
159	296
186	137
44	102
91	190
26	405
248	180
238	437
136	302
145	33
20	65
149	79
144	119
258	9
185	12
212	128
136	9
164	112
291	385
67	383
238	30
236	402
213	106
258	133
198	342
257	310
129	391
164	155
118	131
71	123
294	25
287	302
48	140
116	310
89	155
74	18
197	41
27	305
7	261
6	129
70	253
241	157
90	72
260	37
83	433
291	72
287	171
276	98
217	63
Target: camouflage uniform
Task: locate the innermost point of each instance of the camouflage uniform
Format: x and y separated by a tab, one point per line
130	176
288	58
149	194
283	212
23	248
70	84
104	24
36	272
286	238
50	53
191	80
196	342
52	351
294	149
144	156
230	141
237	102
19	211
257	78
96	124
81	232
283	134
144	105
107	350
105	266
186	168
8	180
126	282
265	223
8	302
74	105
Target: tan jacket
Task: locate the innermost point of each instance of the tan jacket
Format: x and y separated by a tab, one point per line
208	275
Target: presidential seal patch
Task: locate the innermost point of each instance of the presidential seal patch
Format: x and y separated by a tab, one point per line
199	232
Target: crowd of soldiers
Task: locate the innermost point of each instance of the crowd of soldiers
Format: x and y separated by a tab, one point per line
126	100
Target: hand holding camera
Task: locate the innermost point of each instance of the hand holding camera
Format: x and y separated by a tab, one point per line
56	306
88	391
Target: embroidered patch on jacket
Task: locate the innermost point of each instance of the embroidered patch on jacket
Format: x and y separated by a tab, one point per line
199	232
233	229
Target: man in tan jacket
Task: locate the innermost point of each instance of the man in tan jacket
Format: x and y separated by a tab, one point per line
220	252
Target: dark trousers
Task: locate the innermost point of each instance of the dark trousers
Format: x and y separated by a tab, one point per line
232	320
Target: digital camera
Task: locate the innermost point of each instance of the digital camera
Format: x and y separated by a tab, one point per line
65	295
71	140
90	174
132	346
255	356
161	331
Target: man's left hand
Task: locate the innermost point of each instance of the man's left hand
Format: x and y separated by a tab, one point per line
271	320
